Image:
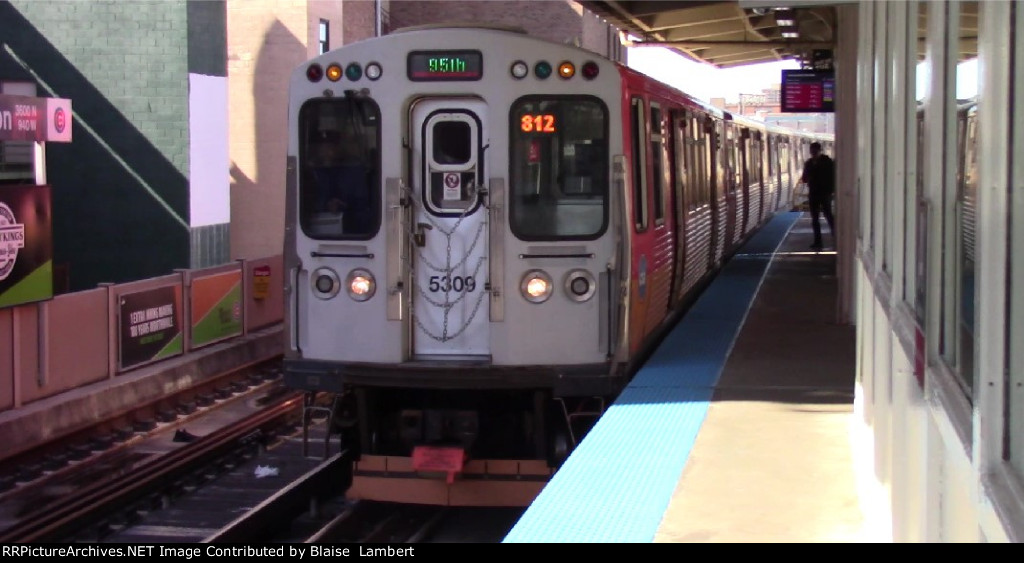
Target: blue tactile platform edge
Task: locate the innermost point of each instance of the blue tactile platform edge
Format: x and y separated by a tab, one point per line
617	484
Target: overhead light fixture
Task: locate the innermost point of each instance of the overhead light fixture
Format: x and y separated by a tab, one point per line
790	34
785	16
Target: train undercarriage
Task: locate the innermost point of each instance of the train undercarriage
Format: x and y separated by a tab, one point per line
496	447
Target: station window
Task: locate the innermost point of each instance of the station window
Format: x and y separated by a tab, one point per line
967	203
559	167
1014	424
339	195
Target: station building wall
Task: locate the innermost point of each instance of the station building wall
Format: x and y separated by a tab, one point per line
131	199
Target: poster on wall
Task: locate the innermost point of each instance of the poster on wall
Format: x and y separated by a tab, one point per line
26	245
150	325
216	307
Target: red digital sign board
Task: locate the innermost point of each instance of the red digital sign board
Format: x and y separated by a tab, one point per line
808	91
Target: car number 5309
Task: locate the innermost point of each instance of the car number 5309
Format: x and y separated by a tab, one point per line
455	283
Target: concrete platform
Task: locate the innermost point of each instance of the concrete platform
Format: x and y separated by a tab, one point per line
776	457
740	428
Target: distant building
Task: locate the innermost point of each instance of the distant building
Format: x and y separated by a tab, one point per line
766	106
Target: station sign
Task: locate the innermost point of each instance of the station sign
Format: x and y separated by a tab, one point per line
26	118
261	282
808	91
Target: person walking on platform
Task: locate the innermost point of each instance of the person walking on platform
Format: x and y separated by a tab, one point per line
820	177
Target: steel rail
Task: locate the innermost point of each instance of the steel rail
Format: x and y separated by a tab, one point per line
108	496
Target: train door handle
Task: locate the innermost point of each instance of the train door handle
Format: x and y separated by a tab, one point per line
420	236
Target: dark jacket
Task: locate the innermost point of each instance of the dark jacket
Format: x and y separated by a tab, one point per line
819	175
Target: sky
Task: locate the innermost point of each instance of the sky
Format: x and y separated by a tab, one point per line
705	82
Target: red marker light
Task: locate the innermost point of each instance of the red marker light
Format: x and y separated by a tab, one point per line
314	72
590	70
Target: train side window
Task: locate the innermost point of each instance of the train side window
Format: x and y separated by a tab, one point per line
758	157
701	160
339	194
733	150
559	166
683	187
638	134
659	165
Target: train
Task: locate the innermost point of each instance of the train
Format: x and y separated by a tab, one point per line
486	234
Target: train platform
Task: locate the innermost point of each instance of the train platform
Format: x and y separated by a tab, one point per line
739	428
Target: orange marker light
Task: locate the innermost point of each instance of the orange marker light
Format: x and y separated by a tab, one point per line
334	72
566	70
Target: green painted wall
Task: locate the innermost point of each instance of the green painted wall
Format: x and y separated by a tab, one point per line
120	189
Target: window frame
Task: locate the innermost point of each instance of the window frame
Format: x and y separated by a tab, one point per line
324	36
303	181
605	192
639	143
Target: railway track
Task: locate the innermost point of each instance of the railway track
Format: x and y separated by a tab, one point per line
83	446
253	476
133	481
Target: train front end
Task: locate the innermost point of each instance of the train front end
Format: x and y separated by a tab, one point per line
453	270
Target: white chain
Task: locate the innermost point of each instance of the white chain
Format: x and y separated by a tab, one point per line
448	268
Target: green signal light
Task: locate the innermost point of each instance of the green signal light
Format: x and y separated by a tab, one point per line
542	69
353	72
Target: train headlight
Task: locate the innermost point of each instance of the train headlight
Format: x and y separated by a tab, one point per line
373	71
536	286
360	284
326	283
580	285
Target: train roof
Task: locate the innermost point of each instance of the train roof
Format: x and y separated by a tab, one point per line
628	72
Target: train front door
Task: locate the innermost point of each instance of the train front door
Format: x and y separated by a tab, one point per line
449	230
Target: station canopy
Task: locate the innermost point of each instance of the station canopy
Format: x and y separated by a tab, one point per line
725	34
745	32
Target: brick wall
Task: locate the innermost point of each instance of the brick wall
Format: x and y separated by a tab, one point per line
266	40
359	19
561	21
